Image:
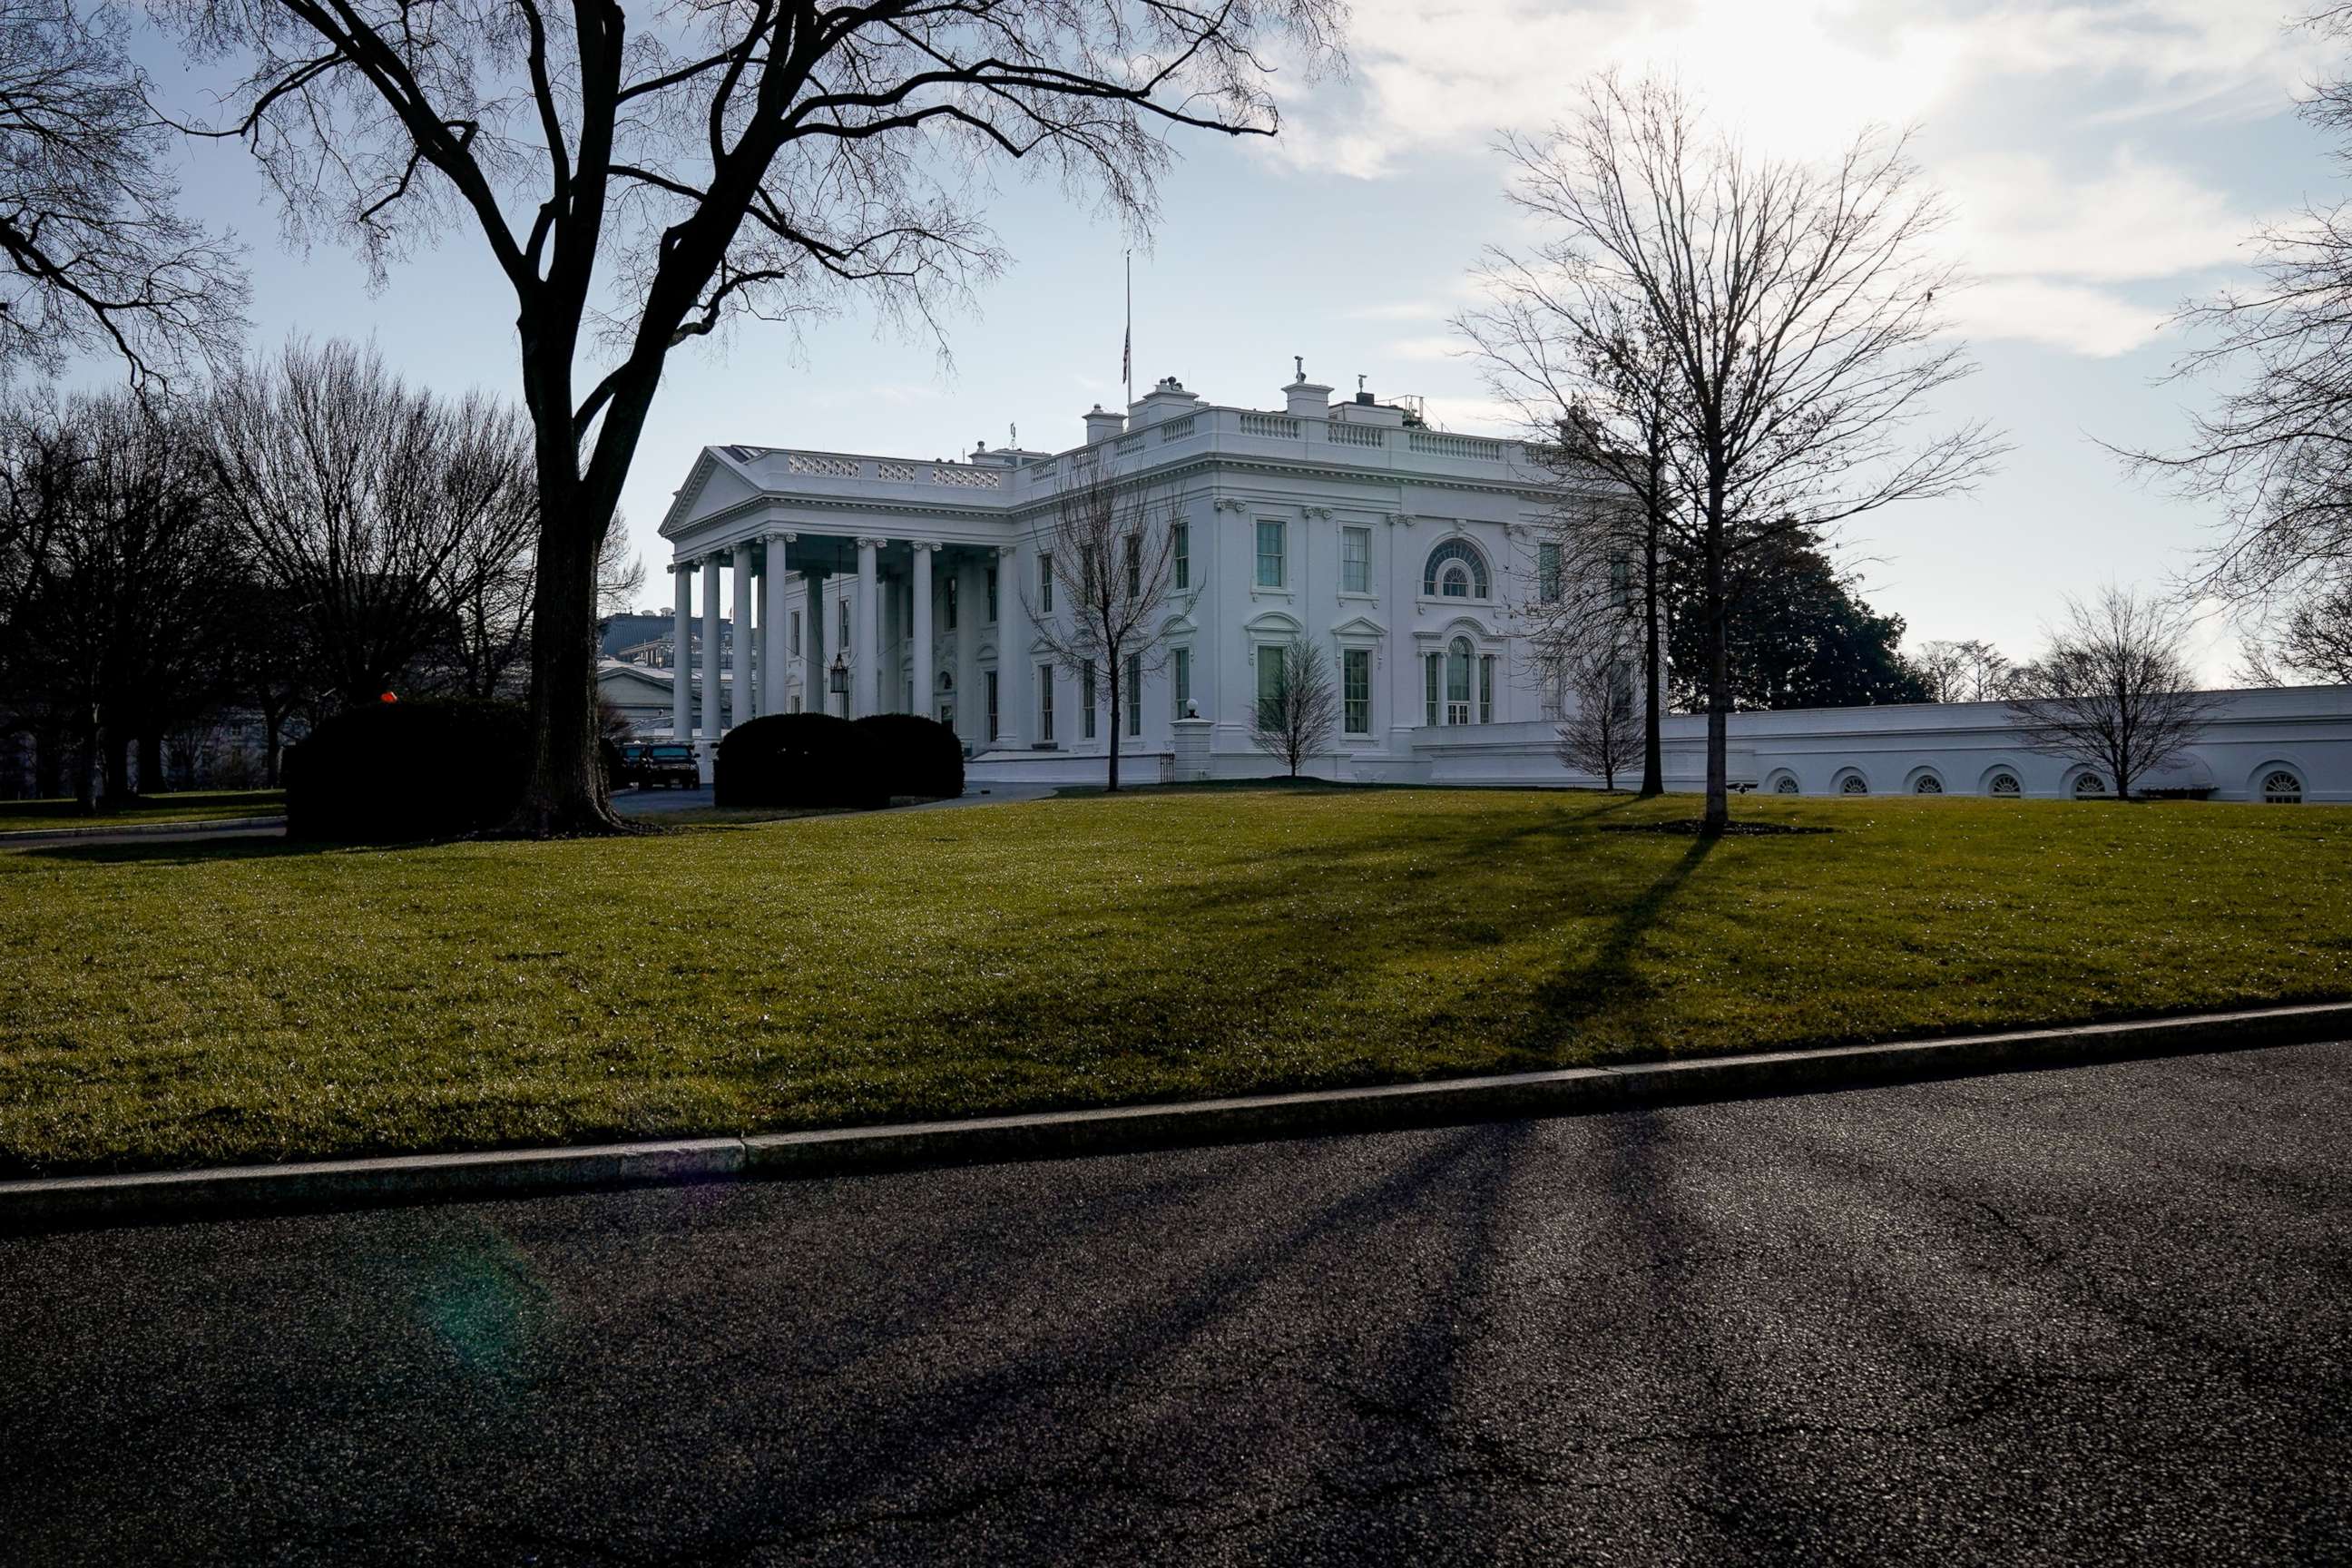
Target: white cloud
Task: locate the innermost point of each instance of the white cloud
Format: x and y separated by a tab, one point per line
2068	316
2019	215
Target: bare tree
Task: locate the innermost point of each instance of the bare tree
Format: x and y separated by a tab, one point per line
1793	307
1111	552
91	251
1297	705
394	519
648	184
2309	641
1968	672
1592	420
2274	452
1599	733
2112	692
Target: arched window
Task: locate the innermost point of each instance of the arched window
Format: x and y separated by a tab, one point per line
1458	658
1854	783
2004	784
1455	570
1784	785
1928	784
2090	783
2281	787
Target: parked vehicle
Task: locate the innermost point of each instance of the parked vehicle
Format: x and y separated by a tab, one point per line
649	764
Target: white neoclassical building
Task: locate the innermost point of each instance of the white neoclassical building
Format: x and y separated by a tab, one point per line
857	584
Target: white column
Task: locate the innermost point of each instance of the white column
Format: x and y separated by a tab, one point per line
711	715
866	676
926	678
742	704
772	625
1015	722
681	662
971	618
816	679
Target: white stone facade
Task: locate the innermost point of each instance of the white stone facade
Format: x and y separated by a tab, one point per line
1401	551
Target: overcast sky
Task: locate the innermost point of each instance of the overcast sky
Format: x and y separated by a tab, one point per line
2105	160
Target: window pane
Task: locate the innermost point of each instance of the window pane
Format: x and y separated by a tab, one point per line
1356	662
1135	694
1182	683
1087	698
1487	689
1356	561
1547	573
1045	701
1046	582
1183	551
1269	554
991	705
1430	685
991	599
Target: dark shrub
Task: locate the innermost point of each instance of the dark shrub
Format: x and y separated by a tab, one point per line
391	771
803	760
914	754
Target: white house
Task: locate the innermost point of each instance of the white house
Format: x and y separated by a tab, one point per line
1403	550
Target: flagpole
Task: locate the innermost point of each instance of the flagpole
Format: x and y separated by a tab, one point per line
1126	355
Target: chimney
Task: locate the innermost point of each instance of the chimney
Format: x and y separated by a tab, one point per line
1305	398
1101	425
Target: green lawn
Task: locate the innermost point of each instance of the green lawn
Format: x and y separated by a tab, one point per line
45	815
187	1003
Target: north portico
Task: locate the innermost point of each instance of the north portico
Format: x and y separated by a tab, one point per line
1401	549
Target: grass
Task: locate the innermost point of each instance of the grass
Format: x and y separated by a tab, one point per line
46	816
189	1003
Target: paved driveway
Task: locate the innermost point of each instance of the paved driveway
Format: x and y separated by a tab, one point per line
654	802
2100	1315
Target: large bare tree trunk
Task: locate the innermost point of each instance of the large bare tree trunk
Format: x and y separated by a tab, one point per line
565	793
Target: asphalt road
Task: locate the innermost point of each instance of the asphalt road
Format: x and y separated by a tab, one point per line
2099	1315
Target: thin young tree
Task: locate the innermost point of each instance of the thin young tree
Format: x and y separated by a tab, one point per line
1112	544
2113	692
1297	706
639	181
93	254
1599	732
1794	307
382	511
1599	431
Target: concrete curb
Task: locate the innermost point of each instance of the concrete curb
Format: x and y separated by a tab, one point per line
79	1202
143	830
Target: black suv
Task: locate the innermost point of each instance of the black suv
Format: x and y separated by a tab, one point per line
649	764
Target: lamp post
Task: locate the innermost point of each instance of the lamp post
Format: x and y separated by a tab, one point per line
837	677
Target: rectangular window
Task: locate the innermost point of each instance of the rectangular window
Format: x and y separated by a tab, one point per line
1269	676
1044	582
1356	690
951	604
992	595
1087	699
1270	562
1134	695
1045	702
1547	573
1487	689
1429	686
1135	566
797	634
796	704
1181	681
991	705
1180	548
1355	560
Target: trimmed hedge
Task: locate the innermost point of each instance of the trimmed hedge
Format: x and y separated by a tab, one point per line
394	771
798	760
915	756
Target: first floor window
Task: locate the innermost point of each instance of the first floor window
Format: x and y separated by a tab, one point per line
1458	658
1134	694
1087	699
1431	667
796	704
1269	676
949	598
1547	573
991	705
797	634
1487	689
1180	550
1355	561
1045	702
1270	553
1181	678
1356	690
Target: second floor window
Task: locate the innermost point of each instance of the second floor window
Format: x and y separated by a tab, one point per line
796	635
1270	562
1180	550
1547	573
1044	582
1135	566
1355	561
